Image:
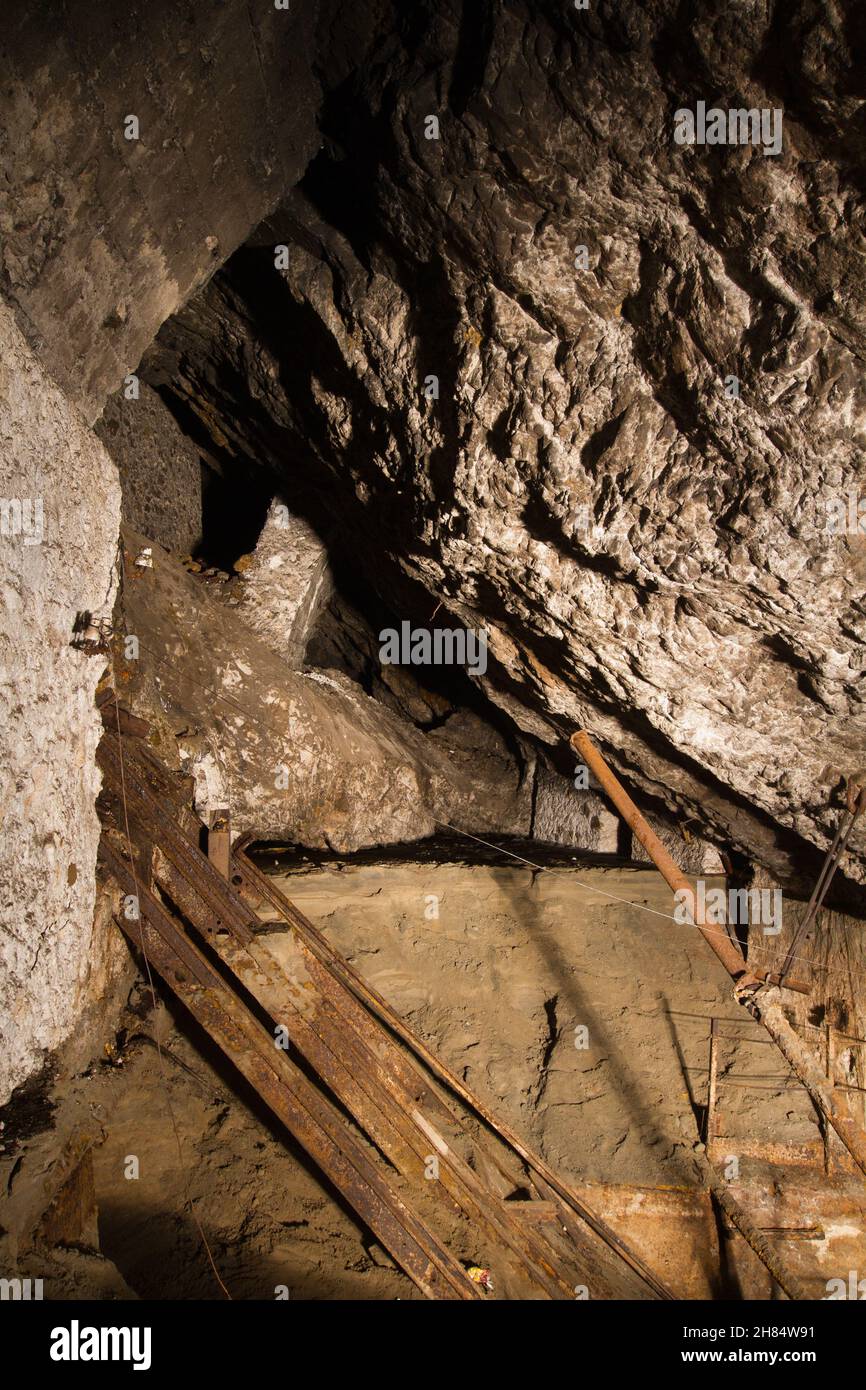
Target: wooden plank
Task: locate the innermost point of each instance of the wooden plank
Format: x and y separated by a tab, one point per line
219	841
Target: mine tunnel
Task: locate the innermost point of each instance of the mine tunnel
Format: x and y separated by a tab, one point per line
432	645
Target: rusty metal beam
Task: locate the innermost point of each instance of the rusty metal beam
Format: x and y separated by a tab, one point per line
580	1219
316	1124
348	1064
348	1049
762	1000
358	1076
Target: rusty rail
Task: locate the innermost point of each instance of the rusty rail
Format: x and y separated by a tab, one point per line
574	1213
332	1027
317	1025
762	999
359	1079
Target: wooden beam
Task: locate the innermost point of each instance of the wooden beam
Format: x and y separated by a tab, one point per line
219	841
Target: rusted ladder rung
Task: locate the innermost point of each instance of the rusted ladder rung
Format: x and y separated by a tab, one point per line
347	1044
305	1112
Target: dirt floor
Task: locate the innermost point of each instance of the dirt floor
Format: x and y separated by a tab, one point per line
581	1019
518	962
267	1218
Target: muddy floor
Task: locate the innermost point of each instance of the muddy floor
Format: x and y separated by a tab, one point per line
566	997
270	1226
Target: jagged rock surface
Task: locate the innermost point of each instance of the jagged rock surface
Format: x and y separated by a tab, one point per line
160	469
565	815
284	583
104	236
56	962
650	556
303	756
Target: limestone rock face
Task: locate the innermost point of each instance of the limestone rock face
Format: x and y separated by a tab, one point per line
60	515
301	756
632	472
285	583
564	815
107	226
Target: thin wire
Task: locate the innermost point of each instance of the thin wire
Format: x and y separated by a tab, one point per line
281	735
162	1067
592	888
750	1023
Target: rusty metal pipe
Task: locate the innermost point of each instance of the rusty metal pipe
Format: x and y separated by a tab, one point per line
763	1001
719	942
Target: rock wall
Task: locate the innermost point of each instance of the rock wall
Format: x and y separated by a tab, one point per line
284	583
554	374
301	756
102	236
59	517
565	815
140	144
160	469
594	388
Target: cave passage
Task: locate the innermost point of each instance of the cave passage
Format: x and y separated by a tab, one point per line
432	633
